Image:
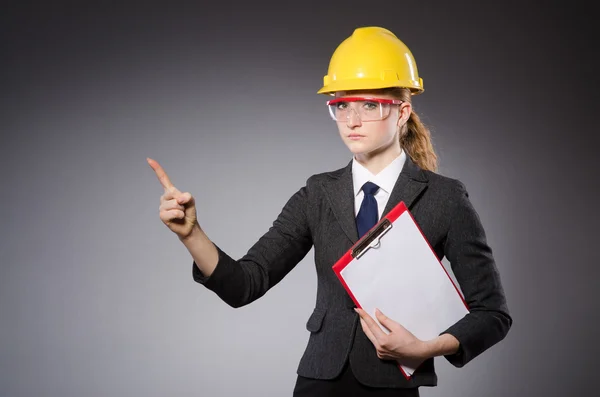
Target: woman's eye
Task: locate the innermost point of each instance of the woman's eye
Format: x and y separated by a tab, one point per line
341	105
371	105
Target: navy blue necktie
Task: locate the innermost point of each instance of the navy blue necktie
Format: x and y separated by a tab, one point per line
367	214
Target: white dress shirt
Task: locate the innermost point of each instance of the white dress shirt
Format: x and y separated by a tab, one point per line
386	180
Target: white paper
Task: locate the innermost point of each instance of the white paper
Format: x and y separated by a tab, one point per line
403	278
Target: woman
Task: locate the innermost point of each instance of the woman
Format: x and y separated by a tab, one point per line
372	76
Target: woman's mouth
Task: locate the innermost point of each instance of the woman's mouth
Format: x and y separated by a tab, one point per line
355	137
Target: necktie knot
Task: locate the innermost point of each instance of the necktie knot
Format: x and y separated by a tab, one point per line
370	188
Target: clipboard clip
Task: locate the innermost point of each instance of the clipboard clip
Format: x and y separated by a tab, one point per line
371	239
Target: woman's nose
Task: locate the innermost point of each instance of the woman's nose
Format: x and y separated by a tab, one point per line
353	119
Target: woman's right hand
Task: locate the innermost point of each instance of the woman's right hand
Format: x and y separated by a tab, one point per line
177	210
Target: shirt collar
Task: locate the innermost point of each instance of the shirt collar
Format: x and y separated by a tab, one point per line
386	179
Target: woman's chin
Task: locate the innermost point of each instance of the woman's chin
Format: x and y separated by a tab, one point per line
357	147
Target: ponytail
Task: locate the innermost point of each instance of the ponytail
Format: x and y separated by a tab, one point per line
416	140
415	137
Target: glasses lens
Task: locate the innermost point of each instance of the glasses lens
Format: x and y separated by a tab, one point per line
366	110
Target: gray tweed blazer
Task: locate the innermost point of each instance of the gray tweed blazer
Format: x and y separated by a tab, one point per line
321	214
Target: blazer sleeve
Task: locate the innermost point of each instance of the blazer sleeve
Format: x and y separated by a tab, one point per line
473	265
275	254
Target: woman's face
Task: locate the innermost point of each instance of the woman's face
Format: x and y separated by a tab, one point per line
370	137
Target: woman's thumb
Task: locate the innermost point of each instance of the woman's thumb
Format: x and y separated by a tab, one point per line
184	198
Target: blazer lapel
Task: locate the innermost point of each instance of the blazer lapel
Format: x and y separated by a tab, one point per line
341	199
410	183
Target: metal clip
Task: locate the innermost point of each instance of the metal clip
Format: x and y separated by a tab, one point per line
371	239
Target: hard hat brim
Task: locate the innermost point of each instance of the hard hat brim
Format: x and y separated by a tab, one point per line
416	87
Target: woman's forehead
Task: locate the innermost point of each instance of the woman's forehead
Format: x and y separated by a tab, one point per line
365	93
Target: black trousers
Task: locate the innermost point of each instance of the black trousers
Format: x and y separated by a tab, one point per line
345	385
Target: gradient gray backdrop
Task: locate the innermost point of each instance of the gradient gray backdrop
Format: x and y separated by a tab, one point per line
96	294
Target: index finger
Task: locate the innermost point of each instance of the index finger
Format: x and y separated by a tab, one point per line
373	326
161	174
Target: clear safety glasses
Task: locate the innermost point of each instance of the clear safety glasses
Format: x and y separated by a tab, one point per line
367	109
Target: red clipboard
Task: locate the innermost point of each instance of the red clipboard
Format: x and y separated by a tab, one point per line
394	268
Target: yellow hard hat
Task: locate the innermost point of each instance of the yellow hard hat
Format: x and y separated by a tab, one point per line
371	58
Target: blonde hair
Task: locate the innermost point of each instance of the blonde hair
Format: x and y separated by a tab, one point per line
415	137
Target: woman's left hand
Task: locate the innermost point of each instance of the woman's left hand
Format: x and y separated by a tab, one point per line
400	344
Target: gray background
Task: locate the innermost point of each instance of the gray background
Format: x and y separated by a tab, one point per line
96	294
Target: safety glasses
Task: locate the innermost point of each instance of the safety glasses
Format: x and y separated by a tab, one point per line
367	109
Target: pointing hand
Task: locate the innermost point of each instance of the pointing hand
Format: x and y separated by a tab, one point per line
177	210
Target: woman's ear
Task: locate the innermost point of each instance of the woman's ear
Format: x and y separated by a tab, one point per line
404	111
